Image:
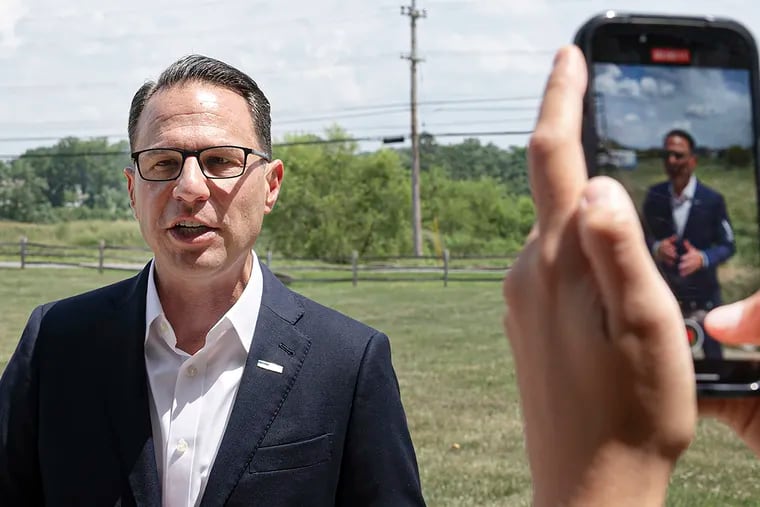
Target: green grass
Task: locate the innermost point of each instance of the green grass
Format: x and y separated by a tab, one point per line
74	233
457	381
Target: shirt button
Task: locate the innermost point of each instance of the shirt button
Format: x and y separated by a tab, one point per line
182	446
192	371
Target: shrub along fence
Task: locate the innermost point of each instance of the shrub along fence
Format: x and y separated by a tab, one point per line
355	269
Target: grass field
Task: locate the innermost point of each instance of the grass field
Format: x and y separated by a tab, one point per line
457	381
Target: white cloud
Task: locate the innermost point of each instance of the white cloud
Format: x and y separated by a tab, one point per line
667	88
11	12
67	61
679	124
608	84
511	7
701	110
649	86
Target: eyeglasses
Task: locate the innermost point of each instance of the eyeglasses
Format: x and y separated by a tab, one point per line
666	154
216	162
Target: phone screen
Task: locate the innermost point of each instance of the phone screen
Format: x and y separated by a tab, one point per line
674	117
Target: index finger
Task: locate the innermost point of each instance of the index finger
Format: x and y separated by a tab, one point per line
557	168
736	323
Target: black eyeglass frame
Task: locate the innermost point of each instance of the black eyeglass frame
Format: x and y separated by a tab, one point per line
666	154
197	154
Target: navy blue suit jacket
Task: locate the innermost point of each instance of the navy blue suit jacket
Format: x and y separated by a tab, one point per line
708	229
75	425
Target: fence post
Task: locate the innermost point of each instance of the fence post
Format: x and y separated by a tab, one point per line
446	267
22	251
101	255
355	267
269	258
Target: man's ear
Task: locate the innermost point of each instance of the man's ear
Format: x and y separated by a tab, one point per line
129	173
274	175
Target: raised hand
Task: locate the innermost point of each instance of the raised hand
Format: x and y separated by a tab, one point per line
603	366
666	250
736	324
691	261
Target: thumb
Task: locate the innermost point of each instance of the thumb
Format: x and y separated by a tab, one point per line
634	293
736	323
687	244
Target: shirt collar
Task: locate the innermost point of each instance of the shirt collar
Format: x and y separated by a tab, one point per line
243	314
688	191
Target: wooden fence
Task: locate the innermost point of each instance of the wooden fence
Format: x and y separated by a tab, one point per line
353	269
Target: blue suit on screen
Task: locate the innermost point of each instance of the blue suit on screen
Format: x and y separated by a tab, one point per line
708	228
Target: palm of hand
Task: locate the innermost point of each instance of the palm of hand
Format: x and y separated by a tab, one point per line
594	372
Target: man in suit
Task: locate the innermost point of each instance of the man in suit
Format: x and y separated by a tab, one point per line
202	380
688	232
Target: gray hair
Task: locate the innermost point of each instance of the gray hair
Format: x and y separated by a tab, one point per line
202	69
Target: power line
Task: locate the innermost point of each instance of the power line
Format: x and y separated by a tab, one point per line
229	29
491	52
342	116
58	138
341	63
486	109
367	110
478	122
403	137
421	103
484	133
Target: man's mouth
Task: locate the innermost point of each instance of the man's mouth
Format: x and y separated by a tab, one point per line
189	229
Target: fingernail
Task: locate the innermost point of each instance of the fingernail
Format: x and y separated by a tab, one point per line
600	193
558	57
727	316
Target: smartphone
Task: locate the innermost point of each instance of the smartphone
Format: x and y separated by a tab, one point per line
671	111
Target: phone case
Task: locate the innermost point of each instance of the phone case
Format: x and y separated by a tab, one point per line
734	379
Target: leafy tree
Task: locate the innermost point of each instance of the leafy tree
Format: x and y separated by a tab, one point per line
335	200
476	216
736	156
472	160
77	172
22	194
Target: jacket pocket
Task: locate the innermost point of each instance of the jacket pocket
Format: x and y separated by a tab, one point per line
293	455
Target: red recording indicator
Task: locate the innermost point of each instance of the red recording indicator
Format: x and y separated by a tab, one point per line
692	335
670	55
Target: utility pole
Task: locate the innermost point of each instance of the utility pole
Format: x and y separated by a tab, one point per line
414	14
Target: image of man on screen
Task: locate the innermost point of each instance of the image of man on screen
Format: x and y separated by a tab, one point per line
688	232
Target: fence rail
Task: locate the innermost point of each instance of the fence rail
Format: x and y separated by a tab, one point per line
444	268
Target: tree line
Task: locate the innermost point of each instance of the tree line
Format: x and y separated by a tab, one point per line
335	198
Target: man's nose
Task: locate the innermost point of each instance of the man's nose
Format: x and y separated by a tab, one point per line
192	184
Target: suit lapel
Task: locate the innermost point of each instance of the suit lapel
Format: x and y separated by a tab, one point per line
262	391
667	205
127	400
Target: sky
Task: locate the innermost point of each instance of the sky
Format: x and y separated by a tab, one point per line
71	68
641	103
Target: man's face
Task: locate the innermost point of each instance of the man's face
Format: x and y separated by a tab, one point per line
200	227
679	160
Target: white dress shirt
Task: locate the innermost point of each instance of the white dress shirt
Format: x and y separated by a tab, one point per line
681	204
192	395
